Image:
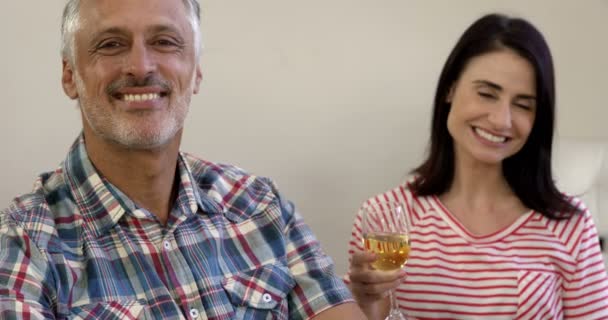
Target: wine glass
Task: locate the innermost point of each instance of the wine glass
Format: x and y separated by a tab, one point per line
386	233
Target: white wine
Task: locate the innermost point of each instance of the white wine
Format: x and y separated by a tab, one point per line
392	249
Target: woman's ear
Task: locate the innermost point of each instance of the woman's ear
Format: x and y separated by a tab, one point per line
450	94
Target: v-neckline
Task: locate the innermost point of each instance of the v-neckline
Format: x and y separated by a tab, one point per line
459	228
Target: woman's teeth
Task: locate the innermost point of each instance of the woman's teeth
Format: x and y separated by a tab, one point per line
490	137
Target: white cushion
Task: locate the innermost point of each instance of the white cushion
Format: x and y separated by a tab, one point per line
577	163
578	166
601	213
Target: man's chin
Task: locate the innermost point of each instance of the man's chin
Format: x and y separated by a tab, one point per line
146	143
139	141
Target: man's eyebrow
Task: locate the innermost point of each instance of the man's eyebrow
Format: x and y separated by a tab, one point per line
496	86
109	31
163	28
158	28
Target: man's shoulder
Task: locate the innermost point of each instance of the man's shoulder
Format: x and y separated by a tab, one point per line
22	207
204	171
32	213
242	194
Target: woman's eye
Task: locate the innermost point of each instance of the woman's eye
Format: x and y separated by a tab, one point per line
486	95
523	106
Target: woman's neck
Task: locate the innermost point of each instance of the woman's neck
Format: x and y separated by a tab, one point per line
481	198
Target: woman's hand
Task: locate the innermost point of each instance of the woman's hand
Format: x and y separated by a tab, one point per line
371	287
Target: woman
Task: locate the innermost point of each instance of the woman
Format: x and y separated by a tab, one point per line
492	236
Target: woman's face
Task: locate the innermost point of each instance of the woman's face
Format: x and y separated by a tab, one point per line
493	106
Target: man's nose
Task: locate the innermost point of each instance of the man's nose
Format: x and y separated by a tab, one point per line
139	62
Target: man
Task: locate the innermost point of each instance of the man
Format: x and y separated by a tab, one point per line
129	227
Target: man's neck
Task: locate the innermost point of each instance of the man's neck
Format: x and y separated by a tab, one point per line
147	177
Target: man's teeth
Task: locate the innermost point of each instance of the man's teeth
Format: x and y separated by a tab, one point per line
141	97
490	137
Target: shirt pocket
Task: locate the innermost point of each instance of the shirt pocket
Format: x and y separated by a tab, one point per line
539	294
260	293
108	310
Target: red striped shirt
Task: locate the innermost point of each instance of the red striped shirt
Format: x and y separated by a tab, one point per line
536	268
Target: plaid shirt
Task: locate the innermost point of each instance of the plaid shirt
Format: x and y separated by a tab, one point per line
233	248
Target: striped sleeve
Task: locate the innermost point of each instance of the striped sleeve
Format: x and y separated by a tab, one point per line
355	243
585	294
400	194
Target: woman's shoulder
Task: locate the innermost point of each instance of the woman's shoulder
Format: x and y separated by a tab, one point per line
577	210
403	192
570	224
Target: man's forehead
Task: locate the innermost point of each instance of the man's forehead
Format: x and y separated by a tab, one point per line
96	11
132	16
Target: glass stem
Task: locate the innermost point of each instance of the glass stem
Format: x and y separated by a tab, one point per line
395	312
394	306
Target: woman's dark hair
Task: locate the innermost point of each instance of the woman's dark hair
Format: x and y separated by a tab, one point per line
528	172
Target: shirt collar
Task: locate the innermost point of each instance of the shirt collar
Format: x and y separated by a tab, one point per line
190	193
102	204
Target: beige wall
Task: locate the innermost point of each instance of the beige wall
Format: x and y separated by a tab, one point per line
330	98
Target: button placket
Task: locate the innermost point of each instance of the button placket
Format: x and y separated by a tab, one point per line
175	260
194	313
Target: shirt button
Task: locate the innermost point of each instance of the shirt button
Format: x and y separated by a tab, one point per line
266	297
167	245
194	313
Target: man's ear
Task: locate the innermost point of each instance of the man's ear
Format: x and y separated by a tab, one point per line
197	80
67	80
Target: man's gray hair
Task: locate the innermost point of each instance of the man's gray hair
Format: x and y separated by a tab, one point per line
70	21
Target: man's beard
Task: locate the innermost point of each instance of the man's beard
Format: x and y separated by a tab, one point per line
141	133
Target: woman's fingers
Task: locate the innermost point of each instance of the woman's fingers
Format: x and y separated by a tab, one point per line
371	284
376	276
362	260
376	282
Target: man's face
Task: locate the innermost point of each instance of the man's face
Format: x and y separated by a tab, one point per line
134	71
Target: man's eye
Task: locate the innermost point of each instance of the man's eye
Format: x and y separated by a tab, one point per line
164	42
109	45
